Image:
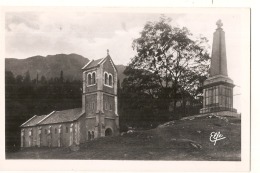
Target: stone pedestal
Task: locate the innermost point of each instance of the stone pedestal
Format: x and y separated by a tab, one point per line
218	94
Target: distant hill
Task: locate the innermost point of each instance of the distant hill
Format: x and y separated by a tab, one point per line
51	66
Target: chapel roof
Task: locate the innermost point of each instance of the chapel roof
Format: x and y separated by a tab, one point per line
63	116
33	121
55	117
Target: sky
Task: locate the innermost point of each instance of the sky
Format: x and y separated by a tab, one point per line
91	33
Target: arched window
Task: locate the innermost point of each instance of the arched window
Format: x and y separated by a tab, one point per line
110	80
89	79
30	132
106	78
93	136
60	128
93	78
89	135
50	130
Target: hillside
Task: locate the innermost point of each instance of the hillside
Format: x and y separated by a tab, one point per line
120	70
186	139
51	65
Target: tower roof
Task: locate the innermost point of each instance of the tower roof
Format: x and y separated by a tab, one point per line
96	63
93	63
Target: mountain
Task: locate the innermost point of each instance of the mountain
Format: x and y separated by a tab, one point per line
51	66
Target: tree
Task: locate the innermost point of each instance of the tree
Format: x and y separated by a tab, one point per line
19	79
37	78
137	98
9	77
139	80
61	76
43	80
178	60
27	78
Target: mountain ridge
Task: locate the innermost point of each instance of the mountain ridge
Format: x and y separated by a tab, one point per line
50	66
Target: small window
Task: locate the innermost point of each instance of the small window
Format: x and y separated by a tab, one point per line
110	80
55	131
89	79
106	78
110	107
67	130
94	78
93	105
45	131
93	135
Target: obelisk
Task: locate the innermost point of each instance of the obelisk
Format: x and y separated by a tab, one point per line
218	57
218	88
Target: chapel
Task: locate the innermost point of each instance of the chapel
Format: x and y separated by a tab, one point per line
97	117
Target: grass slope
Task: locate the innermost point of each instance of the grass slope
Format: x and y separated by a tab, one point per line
180	140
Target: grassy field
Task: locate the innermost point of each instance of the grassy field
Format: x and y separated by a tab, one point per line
179	140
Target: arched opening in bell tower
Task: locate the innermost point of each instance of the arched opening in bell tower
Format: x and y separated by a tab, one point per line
108	132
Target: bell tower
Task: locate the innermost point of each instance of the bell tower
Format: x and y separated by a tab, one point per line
218	88
99	98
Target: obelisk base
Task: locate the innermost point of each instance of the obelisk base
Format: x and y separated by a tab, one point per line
218	96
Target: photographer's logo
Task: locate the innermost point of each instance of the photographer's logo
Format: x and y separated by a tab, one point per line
216	136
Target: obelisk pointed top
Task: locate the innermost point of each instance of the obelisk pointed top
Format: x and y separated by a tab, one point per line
219	23
107	51
218	57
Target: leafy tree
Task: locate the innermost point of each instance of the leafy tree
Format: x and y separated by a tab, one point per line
137	98
140	80
178	60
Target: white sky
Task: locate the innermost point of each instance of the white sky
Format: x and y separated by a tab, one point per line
90	34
